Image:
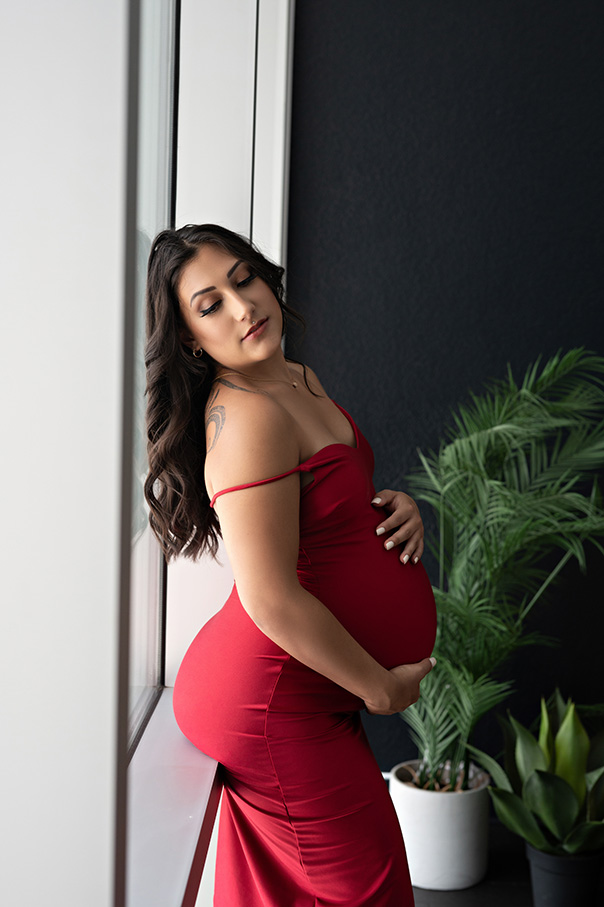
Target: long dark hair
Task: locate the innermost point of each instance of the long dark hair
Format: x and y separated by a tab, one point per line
178	386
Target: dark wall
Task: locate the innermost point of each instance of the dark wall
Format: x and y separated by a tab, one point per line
445	218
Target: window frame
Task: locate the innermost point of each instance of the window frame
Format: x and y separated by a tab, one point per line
154	175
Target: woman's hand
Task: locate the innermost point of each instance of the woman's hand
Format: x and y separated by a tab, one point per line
405	519
404	689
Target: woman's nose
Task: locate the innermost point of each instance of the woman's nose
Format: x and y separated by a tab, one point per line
242	307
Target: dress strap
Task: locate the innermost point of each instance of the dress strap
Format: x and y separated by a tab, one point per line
299	468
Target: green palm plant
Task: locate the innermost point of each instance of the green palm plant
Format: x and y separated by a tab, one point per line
514	481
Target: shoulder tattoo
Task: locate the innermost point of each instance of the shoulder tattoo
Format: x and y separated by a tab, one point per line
216	417
216	413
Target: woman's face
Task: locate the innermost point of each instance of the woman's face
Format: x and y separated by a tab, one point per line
220	296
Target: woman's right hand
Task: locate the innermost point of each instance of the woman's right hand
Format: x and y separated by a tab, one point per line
404	688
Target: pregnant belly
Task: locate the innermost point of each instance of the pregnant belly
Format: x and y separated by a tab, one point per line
387	606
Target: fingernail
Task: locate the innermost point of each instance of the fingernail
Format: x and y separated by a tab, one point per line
433	660
380	531
377	501
415	560
389	545
405	559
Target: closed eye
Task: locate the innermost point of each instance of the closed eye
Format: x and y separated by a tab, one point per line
211	309
214	306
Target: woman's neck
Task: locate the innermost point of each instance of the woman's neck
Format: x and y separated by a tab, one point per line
277	371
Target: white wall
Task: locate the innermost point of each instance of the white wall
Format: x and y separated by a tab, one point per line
63	123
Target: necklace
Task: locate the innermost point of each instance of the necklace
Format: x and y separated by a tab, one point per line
242	375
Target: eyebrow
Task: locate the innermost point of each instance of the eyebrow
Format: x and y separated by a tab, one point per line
207	289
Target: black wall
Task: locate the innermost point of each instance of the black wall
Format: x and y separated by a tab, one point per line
445	218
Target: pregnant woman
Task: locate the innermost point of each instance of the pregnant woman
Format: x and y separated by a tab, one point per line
331	611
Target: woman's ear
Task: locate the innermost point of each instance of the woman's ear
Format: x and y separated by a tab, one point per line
185	338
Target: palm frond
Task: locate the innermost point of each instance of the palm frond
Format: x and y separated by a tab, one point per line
512	482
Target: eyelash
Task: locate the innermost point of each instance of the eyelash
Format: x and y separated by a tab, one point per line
214	306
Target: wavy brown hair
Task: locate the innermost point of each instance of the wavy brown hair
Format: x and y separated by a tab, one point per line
178	386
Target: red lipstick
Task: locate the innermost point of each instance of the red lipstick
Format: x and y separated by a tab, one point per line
255	328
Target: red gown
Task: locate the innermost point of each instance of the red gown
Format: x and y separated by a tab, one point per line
306	818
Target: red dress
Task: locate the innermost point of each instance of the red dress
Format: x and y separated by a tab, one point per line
306	817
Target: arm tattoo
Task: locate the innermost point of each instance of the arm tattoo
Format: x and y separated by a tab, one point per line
216	417
217	413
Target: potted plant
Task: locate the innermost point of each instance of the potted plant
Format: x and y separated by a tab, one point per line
446	836
551	793
512	483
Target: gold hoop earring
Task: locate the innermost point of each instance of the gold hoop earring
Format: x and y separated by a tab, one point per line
198	353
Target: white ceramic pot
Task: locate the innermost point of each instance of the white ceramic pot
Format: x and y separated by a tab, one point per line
445	833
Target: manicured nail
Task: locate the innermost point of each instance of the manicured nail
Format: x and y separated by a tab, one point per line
380	531
377	501
433	660
405	559
415	560
389	545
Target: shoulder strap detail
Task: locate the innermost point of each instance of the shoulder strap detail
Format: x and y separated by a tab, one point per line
299	468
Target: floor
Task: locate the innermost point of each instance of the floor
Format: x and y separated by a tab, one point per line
507	883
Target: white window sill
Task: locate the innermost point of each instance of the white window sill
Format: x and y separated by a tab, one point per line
173	796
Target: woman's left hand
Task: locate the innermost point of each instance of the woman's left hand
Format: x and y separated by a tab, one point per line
406	522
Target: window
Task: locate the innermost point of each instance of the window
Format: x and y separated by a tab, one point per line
173	789
156	106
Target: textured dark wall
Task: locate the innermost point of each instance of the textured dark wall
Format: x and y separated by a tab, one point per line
446	218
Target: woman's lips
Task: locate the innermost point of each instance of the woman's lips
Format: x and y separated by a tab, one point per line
256	329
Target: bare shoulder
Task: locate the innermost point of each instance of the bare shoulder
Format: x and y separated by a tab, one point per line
313	381
249	436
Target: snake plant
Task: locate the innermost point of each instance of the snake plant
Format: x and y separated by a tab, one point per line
512	483
551	792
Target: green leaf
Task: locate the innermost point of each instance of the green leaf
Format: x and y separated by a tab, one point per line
592	778
492	767
585	837
546	738
595	794
529	755
572	747
560	707
432	721
514	814
509	761
552	800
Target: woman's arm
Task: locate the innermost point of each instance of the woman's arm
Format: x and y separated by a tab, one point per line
260	527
